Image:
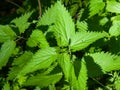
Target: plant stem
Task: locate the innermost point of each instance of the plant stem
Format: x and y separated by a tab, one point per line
40	9
14	3
100	84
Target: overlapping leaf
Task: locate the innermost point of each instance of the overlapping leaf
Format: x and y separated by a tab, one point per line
82	26
115	28
96	6
100	63
40	60
64	27
82	39
113	6
82	78
49	16
43	80
5	52
6	33
18	64
37	38
22	22
65	63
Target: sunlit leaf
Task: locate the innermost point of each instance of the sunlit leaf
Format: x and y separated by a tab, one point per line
43	80
113	6
83	39
41	59
6	33
6	51
37	38
22	22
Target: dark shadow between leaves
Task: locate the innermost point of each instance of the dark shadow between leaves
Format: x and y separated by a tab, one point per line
77	67
94	70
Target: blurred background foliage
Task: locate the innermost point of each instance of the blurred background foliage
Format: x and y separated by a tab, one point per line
10	9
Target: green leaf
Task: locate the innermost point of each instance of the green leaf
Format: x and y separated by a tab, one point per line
73	9
18	64
6	33
48	17
6	86
40	60
82	26
100	63
82	78
43	80
114	29
117	83
65	63
83	39
37	38
73	79
96	6
6	51
113	6
64	27
22	22
68	70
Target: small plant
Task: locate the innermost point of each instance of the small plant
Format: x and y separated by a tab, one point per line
60	54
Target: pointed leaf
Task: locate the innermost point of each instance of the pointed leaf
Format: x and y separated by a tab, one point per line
73	79
43	80
40	60
22	22
65	63
68	70
6	33
18	64
82	26
96	6
82	78
37	38
83	39
100	63
64	27
5	52
48	17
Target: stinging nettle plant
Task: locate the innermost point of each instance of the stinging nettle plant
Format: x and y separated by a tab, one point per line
53	63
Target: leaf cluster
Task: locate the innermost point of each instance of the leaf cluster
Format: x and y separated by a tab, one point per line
63	52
